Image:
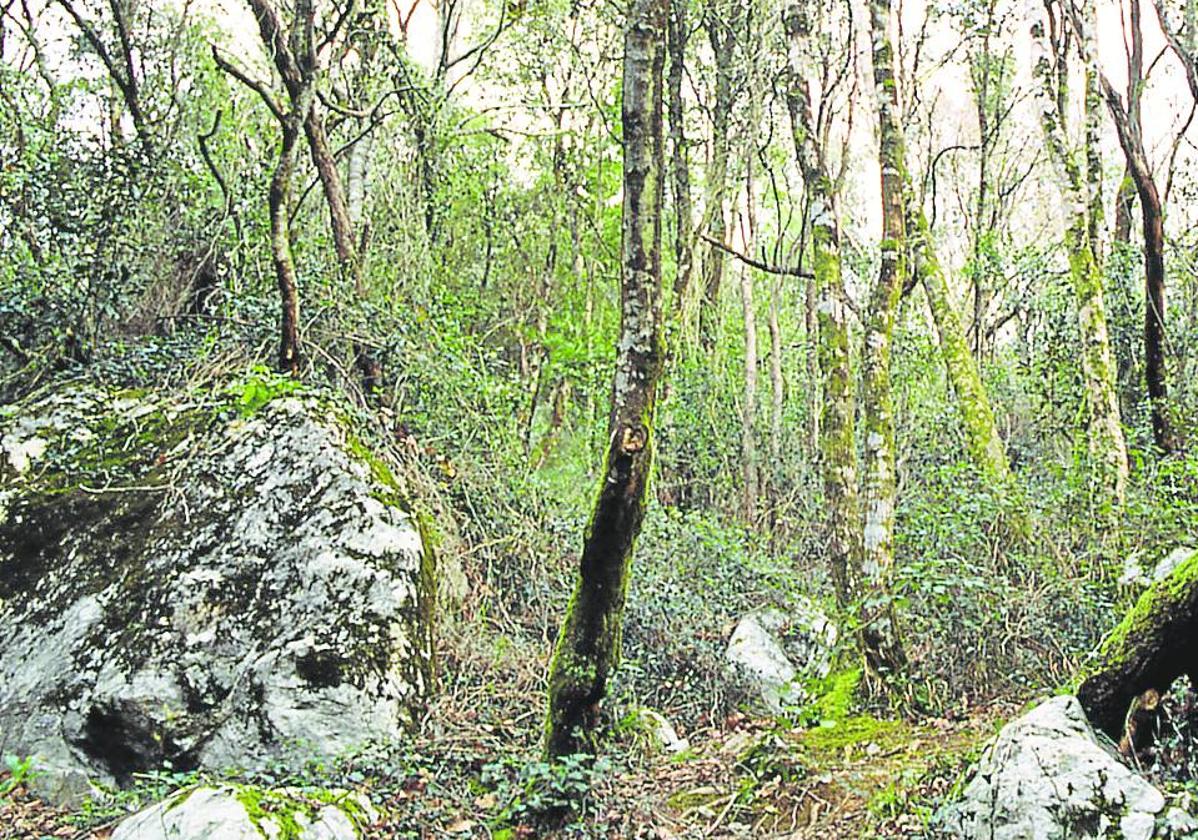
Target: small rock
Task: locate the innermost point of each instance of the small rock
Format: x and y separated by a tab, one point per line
662	730
1171	561
774	652
757	655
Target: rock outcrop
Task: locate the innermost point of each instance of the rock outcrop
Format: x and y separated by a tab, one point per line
245	813
209	583
1048	777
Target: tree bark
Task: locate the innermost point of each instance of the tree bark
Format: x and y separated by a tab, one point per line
982	440
748	429
777	396
683	221
722	34
1148	650
1131	140
1082	194
880	638
838	453
588	646
280	238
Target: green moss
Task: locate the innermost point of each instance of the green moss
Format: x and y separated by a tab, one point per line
269	807
1156	601
387	489
835	736
835	694
690	800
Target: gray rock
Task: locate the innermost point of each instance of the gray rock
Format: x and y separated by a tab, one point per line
772	653
662	731
1171	561
231	813
193	587
757	658
1047	777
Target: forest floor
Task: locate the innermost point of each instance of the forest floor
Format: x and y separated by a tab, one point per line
472	771
865	778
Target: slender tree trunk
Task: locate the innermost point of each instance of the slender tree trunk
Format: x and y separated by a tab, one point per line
814	395
358	173
1125	203
777	396
1082	193
982	440
748	430
333	188
838	452
722	34
588	646
1127	120
280	237
1153	221
683	221
883	650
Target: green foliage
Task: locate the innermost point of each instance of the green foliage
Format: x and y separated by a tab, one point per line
18	772
259	387
536	791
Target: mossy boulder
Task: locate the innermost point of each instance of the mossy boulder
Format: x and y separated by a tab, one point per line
231	812
185	581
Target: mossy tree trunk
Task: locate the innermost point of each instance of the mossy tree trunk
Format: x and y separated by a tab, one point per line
982	440
880	638
837	447
1082	194
1128	127
1147	651
588	646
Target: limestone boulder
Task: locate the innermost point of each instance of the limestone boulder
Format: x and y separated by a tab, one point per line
205	582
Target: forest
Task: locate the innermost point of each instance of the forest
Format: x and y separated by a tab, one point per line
568	418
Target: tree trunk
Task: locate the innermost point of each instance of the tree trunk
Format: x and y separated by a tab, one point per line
1125	202
777	396
722	34
838	453
588	646
1154	312
982	440
814	401
1148	650
333	188
1083	193
748	429
683	221
280	238
879	632
1129	129
358	173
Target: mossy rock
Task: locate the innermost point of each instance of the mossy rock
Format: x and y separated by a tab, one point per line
244	812
194	583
